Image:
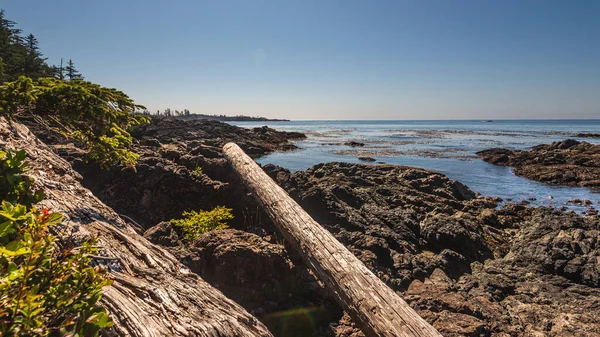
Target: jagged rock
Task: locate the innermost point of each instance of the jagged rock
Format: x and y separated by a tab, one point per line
181	168
466	267
568	162
390	216
165	234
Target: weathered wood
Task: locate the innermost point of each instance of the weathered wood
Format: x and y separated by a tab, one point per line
152	293
374	307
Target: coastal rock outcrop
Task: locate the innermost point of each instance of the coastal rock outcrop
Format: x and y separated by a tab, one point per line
468	268
403	222
568	162
180	168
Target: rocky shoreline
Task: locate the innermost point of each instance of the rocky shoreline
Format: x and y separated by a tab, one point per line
467	267
567	162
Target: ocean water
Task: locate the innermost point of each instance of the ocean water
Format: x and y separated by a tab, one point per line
444	146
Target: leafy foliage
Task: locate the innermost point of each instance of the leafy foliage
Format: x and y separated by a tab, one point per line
15	187
98	118
196	223
43	291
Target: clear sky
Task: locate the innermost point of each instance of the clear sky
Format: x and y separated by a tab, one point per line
329	59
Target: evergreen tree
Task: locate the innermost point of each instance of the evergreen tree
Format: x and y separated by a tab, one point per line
72	73
35	65
58	72
12	48
61	69
1	71
20	56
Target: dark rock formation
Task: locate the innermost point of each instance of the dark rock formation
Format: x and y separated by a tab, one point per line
402	222
180	168
547	284
469	269
568	162
354	144
588	135
367	159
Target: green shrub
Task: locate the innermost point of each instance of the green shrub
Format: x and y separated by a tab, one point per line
196	223
14	186
98	118
43	290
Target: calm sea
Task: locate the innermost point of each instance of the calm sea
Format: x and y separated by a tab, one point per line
445	146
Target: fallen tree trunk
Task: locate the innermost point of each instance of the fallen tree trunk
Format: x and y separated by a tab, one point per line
374	307
152	293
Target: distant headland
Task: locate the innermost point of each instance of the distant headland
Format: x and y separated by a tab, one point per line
224	118
188	116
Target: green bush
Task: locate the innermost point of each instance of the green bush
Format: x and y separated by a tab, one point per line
43	290
196	223
98	118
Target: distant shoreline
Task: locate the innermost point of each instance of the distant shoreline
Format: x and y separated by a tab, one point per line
224	118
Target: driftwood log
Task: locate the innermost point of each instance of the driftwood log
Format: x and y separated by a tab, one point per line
152	293
374	307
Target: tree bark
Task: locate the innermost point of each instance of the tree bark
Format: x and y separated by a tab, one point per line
152	293
374	307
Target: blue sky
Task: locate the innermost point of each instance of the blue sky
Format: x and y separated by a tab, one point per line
326	59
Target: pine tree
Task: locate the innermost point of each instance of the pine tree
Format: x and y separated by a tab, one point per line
72	73
35	65
20	56
1	71
12	48
58	72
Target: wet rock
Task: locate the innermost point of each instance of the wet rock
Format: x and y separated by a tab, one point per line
568	162
367	159
354	144
588	135
577	201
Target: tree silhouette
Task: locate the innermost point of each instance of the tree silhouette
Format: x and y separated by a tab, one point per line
72	72
35	65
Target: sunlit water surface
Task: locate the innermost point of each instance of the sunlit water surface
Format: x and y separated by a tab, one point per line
445	146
